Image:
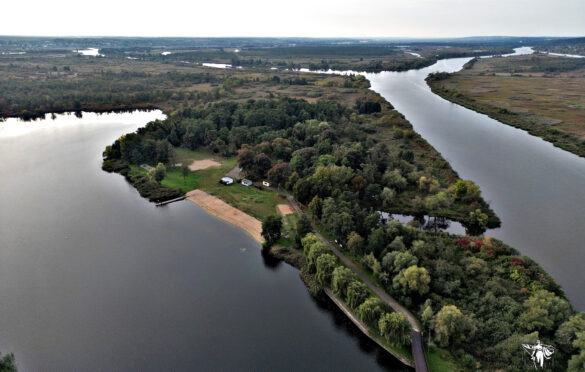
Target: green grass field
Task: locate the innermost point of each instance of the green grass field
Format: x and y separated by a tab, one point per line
440	360
175	180
257	203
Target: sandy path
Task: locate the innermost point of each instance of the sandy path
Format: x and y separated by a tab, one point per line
285	209
226	212
203	164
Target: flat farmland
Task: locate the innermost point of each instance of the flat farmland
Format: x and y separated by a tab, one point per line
542	94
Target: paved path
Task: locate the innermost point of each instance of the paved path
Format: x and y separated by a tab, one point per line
415	336
347	311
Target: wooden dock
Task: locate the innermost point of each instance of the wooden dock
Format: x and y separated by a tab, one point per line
170	201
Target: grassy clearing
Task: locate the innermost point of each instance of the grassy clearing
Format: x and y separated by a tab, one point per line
175	180
289	228
440	360
257	203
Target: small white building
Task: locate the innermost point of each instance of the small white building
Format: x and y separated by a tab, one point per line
246	182
266	183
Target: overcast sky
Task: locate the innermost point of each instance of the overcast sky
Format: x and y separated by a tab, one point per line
313	18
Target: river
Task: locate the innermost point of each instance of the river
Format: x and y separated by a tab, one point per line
95	278
535	188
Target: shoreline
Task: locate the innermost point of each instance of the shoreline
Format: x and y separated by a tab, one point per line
222	210
570	144
355	320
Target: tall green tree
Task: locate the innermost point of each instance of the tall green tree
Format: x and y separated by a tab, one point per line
341	278
185	172
325	265
395	328
371	310
357	293
303	228
452	328
272	229
412	280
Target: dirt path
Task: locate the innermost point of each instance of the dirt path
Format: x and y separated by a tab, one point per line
226	212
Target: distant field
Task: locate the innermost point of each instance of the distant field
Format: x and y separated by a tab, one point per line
542	94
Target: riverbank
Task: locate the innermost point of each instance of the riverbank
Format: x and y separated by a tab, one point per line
552	135
226	212
540	94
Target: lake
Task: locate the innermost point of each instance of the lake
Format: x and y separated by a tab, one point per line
93	277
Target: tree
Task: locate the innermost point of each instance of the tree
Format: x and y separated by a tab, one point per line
246	159
396	261
371	310
358	184
394	180
325	265
355	243
337	218
357	292
452	328
395	328
397	244
158	173
427	317
308	241
272	229
279	174
477	221
577	363
7	363
303	228
313	250
302	159
543	310
185	172
340	280
388	195
262	164
566	333
414	279
315	207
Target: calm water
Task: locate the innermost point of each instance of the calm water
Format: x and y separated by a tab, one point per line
535	188
93	277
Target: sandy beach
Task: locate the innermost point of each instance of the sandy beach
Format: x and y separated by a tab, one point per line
226	212
203	164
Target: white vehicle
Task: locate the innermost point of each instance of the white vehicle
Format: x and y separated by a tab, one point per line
226	181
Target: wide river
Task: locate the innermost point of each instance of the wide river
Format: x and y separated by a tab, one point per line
536	189
95	278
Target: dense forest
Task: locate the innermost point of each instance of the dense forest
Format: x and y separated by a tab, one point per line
318	151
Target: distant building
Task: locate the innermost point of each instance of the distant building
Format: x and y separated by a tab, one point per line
246	182
266	183
226	181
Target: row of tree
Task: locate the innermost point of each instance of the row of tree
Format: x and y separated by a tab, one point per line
345	284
